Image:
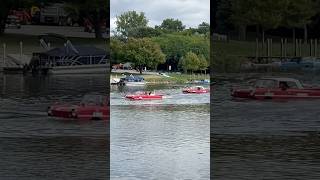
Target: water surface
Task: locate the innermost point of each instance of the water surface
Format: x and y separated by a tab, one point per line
264	139
166	139
34	146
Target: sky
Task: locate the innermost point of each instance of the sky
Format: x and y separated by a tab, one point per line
190	12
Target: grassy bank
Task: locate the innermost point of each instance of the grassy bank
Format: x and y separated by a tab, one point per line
173	79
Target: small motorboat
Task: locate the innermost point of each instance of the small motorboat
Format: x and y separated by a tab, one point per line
92	107
277	88
132	81
195	90
144	96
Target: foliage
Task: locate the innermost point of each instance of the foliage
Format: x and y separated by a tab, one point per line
142	32
172	25
298	13
203	63
117	51
176	46
130	20
203	28
190	62
143	53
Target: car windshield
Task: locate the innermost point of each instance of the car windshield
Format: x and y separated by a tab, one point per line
266	83
92	100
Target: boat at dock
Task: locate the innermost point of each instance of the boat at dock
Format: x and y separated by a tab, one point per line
69	59
132	81
277	88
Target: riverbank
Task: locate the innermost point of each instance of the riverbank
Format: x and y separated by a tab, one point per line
175	78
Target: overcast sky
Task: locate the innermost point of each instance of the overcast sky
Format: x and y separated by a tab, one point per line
190	12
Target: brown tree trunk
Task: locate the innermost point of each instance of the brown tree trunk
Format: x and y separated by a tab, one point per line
305	34
294	41
242	32
97	24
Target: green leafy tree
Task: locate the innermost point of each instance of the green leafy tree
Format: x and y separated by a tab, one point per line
267	14
142	32
203	28
172	25
190	62
298	14
203	64
223	19
176	46
143	53
117	51
129	21
241	15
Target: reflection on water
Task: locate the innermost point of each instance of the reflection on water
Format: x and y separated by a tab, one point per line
166	139
264	139
33	146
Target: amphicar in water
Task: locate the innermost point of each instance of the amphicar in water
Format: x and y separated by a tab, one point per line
144	96
195	90
92	107
277	88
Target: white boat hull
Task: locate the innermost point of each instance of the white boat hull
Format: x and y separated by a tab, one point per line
135	83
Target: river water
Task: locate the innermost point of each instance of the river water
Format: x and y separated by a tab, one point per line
33	146
264	139
166	139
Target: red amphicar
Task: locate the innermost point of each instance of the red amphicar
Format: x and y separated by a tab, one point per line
277	88
144	96
195	90
92	107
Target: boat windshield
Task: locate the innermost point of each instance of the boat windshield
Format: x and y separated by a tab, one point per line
92	100
266	83
291	84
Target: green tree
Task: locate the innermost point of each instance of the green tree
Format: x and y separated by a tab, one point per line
241	14
267	14
143	53
130	20
203	64
298	14
172	25
142	32
175	46
223	19
203	28
117	51
190	62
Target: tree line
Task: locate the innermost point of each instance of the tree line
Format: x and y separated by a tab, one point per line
167	44
266	15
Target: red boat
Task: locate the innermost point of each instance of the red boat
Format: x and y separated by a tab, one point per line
144	96
195	90
277	88
92	107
